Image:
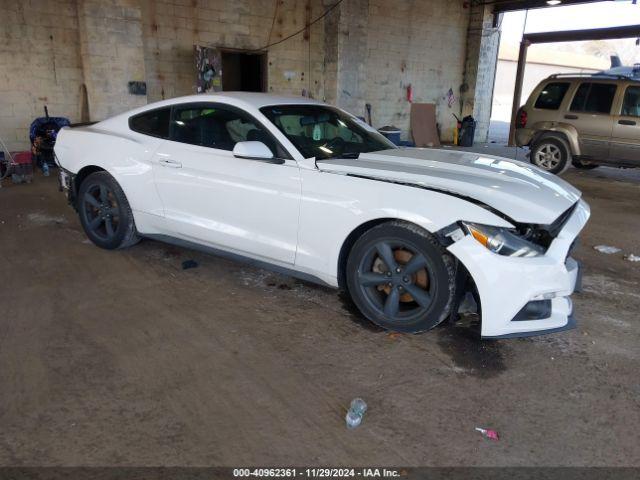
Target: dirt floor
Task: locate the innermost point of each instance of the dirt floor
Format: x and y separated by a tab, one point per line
123	358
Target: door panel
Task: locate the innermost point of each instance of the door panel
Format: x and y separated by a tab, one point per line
245	206
625	141
590	114
209	196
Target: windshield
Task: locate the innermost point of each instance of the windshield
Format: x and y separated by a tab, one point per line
325	132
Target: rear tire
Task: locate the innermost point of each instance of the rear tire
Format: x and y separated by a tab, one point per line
584	166
550	154
105	213
401	278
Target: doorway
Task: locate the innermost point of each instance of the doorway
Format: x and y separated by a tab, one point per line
245	72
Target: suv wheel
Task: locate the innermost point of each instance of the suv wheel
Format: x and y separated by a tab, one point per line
550	154
584	165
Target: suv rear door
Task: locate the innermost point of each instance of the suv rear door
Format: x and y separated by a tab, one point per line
625	142
590	114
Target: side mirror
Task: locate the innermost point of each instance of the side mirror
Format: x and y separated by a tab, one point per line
253	150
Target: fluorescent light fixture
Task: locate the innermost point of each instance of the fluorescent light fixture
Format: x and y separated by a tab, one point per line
554	2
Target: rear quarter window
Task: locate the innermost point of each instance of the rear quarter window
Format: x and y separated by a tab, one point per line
551	96
154	123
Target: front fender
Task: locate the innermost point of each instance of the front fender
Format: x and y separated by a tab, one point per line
334	206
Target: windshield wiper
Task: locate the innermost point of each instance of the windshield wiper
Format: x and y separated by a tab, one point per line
348	155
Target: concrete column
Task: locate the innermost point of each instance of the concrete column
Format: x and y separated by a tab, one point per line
345	41
330	67
112	54
476	91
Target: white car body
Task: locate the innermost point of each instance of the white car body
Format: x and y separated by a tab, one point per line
297	215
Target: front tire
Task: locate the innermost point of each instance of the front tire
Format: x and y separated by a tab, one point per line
401	278
550	154
105	213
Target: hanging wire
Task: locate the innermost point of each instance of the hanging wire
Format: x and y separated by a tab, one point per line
298	32
326	12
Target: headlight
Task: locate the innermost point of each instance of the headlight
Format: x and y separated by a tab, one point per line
503	241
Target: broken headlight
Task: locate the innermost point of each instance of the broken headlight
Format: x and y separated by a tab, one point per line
503	241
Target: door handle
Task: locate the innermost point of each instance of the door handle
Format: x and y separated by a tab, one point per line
167	162
626	122
571	117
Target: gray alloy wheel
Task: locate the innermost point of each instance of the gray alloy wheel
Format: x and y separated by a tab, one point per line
550	154
401	278
401	275
105	213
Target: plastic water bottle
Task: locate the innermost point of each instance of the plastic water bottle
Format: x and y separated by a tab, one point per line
45	168
355	413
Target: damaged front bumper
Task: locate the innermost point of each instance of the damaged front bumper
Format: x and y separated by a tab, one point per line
525	296
66	184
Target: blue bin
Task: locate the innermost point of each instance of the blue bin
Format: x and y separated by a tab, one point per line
392	133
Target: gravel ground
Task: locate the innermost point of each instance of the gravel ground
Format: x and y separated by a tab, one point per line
123	358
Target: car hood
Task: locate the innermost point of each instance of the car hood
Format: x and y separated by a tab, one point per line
519	190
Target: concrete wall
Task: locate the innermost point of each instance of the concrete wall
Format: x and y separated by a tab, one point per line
364	51
173	27
415	43
111	49
40	64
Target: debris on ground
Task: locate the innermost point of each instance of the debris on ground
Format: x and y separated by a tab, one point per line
632	258
487	433
393	335
606	249
355	413
187	264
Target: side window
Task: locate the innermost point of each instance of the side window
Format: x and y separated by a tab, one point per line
580	97
631	103
551	96
154	123
594	98
216	127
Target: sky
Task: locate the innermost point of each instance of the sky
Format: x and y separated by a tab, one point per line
576	17
571	17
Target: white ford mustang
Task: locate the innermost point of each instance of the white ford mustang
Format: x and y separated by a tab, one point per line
303	187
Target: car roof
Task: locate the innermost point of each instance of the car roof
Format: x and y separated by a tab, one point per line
246	99
597	76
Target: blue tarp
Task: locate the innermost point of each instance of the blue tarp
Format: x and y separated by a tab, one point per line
50	123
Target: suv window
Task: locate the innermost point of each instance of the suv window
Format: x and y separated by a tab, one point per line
210	125
594	98
631	103
154	123
551	96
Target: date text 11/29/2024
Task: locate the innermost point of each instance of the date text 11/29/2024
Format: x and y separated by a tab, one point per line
317	472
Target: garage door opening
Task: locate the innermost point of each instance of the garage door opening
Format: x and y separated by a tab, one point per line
244	72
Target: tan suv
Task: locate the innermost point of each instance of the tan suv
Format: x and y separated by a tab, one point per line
586	120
